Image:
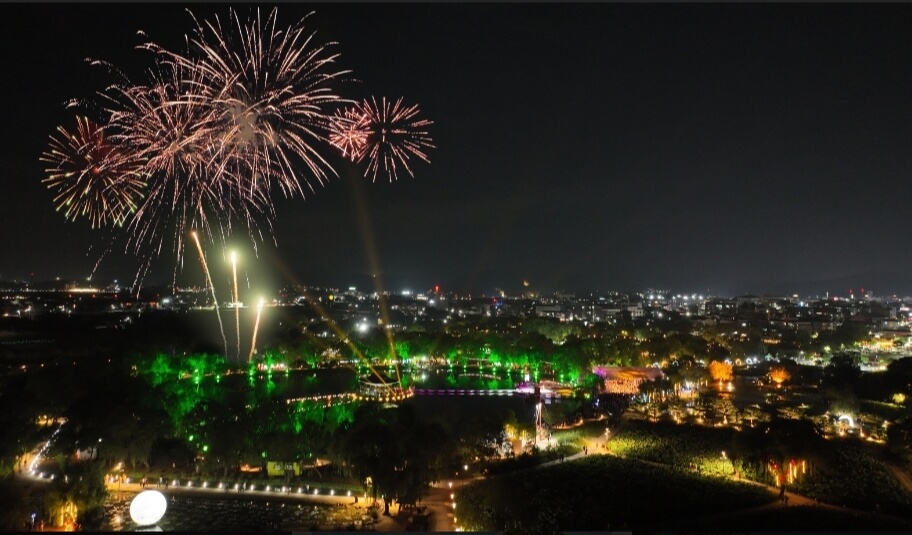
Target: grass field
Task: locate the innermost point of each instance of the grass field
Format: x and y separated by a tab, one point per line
599	493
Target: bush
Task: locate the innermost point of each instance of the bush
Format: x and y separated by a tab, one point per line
851	476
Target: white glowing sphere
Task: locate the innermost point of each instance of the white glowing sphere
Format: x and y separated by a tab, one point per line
148	507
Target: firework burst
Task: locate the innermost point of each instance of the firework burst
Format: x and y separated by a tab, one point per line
395	133
348	132
271	95
91	176
222	124
169	128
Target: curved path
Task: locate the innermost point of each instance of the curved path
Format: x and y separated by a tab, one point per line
383	523
437	502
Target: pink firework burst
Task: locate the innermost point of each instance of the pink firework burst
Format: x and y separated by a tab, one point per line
395	133
348	132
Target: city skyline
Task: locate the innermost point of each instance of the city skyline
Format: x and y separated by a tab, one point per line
269	292
725	149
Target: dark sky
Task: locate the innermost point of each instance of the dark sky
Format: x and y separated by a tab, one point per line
723	148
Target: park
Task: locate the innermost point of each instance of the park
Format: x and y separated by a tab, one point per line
346	436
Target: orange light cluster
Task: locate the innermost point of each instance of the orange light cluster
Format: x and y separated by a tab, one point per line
792	472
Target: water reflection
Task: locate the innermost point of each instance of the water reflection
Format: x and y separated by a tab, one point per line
187	513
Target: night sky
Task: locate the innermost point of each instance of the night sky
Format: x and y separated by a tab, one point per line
722	148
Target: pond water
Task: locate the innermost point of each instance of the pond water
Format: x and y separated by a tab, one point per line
191	513
295	383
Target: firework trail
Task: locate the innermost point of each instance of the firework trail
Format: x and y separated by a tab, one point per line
98	261
237	312
385	133
202	257
91	176
342	335
256	327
